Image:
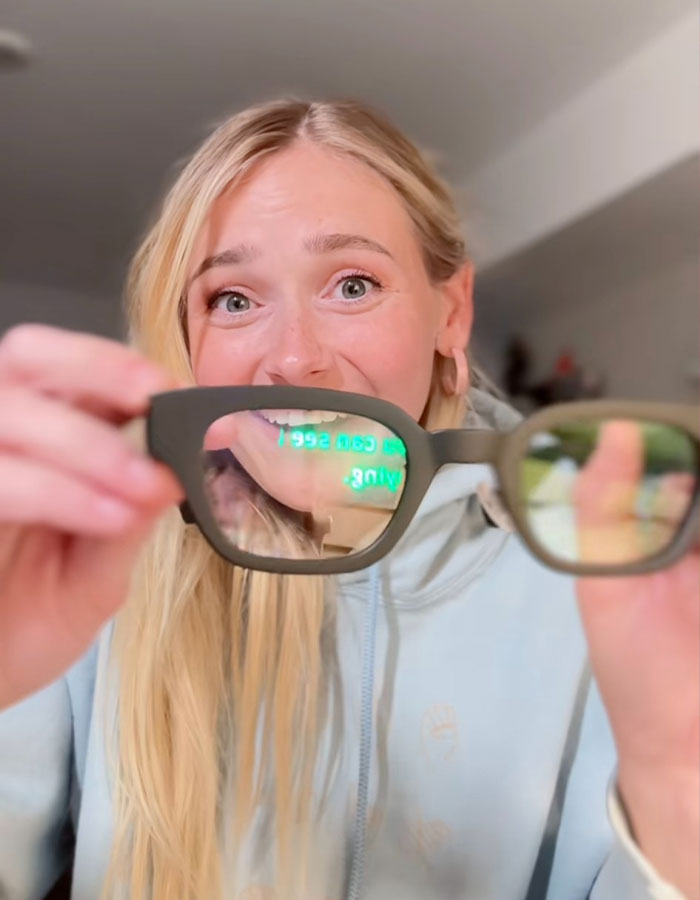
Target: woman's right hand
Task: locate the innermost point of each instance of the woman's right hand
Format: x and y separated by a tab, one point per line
76	501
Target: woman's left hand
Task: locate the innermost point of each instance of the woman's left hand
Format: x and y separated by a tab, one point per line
643	635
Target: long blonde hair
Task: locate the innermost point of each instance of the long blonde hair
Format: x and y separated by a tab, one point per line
220	687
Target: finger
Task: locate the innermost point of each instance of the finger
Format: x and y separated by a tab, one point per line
100	571
34	493
672	497
605	496
619	452
88	370
48	431
606	487
223	433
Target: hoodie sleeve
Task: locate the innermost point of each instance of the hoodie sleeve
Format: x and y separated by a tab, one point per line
35	784
626	872
596	854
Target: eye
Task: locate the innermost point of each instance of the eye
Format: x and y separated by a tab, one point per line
356	287
230	301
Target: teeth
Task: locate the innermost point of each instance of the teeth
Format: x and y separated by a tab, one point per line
296	417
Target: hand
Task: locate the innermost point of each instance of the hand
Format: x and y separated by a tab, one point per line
75	501
643	636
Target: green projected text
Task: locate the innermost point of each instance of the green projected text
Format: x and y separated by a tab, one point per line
310	439
362	478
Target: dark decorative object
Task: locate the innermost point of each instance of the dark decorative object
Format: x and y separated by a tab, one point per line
567	381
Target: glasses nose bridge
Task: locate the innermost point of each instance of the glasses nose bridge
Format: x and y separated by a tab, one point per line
464	445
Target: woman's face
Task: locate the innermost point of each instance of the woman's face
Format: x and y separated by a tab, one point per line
309	273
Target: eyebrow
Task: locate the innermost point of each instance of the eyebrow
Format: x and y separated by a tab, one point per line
326	243
317	244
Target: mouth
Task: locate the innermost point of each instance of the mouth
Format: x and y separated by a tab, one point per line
300	417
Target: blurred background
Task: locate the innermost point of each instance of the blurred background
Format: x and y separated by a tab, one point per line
568	130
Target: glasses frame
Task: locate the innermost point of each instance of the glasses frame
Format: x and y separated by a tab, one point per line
178	420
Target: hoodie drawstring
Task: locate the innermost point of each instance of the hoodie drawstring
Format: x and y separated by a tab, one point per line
359	835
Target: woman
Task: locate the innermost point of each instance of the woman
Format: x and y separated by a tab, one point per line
200	723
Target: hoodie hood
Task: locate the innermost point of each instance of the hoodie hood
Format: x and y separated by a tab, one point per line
449	542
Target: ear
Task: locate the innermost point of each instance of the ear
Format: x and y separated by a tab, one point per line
457	314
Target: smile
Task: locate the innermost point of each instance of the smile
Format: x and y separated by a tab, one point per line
297	417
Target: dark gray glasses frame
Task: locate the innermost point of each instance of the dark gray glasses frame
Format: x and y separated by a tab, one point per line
178	421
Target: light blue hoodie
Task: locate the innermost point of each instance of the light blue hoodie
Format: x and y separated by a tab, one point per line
492	766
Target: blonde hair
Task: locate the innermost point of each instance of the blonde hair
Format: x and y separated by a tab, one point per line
220	687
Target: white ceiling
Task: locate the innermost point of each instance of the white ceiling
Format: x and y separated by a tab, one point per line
118	92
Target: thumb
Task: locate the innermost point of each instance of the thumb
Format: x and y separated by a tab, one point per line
98	576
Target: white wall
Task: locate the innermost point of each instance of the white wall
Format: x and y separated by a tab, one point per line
644	338
67	309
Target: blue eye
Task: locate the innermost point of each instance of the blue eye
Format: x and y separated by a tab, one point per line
234	302
356	287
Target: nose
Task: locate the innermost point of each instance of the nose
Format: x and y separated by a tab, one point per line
298	354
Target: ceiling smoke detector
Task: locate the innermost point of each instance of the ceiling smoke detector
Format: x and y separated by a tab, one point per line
15	50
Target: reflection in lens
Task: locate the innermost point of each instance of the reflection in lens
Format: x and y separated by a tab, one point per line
297	484
604	492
